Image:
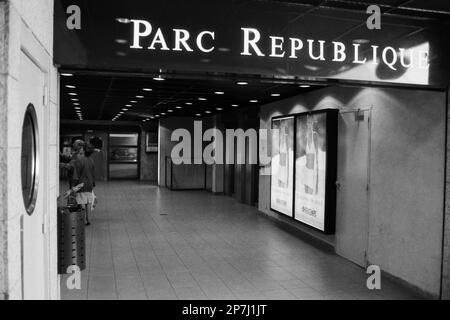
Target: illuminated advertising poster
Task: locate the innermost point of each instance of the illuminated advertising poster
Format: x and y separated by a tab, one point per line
311	169
282	189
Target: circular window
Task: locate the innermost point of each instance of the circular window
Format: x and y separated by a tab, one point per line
30	159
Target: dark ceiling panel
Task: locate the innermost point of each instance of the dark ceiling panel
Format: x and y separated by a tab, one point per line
103	97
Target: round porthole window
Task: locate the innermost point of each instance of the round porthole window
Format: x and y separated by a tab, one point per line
30	159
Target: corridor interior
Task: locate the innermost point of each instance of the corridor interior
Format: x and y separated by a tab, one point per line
147	242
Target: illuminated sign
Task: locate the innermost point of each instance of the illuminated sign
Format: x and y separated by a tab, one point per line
242	37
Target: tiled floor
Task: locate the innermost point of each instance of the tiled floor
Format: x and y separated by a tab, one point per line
151	243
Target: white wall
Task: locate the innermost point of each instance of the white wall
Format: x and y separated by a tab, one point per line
407	175
28	27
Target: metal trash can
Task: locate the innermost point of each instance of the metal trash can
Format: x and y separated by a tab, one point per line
71	238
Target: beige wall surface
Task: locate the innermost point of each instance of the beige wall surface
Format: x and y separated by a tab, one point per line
187	176
26	28
407	167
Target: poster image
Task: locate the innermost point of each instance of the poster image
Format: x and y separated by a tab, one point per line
282	175
310	169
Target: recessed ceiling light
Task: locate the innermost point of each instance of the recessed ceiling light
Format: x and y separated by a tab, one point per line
159	78
67	74
179	107
72	94
157	116
152	117
361	41
121	41
124	109
76	104
202	99
140	97
305	86
254	101
188	103
128	105
123	20
219	92
147	89
198	115
77	108
70	87
163	113
235	105
208	112
169	110
74	99
133	101
242	83
219	109
275	94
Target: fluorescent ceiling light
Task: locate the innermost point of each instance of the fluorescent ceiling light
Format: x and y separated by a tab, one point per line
242	83
219	92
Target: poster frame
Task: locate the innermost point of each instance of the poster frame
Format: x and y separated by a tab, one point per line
331	169
293	150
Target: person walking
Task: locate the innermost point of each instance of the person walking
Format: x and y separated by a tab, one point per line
84	172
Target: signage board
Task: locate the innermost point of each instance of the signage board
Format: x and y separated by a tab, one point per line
263	38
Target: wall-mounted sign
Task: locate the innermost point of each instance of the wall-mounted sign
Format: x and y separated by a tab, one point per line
282	174
244	37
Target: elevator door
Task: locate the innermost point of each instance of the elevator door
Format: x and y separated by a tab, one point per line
352	186
33	240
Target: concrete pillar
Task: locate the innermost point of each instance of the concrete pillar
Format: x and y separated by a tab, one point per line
446	244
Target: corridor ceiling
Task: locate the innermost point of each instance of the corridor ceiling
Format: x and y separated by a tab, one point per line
138	98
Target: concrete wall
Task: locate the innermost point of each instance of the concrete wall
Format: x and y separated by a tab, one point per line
407	176
188	176
446	248
149	162
26	26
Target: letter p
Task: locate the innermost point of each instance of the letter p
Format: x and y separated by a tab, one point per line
138	33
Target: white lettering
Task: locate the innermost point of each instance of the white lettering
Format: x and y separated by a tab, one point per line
251	42
138	34
357	59
296	45
159	39
200	40
321	55
277	44
339	52
181	38
390	63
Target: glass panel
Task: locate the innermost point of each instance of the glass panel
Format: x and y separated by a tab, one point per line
123	171
125	139
123	154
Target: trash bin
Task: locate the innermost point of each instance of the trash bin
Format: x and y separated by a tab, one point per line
71	238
